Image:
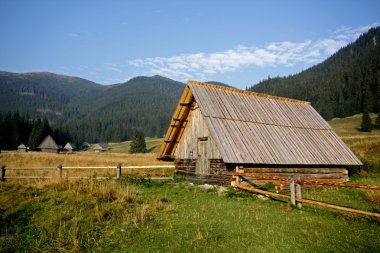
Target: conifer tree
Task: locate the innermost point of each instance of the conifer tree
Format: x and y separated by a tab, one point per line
138	144
35	135
366	122
377	122
41	129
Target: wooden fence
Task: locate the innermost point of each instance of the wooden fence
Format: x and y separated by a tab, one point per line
295	197
59	171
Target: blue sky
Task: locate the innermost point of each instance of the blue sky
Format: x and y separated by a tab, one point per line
236	42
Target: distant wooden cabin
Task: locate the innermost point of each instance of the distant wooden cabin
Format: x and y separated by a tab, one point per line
22	148
215	130
101	147
85	145
49	145
70	147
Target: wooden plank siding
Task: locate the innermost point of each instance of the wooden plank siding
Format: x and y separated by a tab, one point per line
251	128
188	146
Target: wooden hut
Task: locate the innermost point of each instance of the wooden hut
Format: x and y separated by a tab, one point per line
101	147
85	145
49	145
215	130
22	148
70	147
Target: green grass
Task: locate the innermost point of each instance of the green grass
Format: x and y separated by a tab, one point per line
138	216
152	145
349	126
365	145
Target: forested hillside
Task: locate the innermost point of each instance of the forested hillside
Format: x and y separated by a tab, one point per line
88	111
345	84
41	94
143	103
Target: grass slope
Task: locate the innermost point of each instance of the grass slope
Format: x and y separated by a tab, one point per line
152	145
365	145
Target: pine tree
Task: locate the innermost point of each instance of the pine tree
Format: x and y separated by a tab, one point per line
138	144
377	122
366	122
41	129
35	135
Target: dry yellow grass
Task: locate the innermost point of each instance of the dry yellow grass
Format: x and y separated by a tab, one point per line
373	196
365	145
40	159
31	159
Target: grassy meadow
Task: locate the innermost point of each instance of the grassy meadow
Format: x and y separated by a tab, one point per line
135	214
365	145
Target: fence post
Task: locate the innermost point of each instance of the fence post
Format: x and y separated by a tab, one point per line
2	173
292	191
59	169
298	194
237	178
118	171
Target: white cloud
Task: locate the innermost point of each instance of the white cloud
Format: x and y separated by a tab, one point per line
205	65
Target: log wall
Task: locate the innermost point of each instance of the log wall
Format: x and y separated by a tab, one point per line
337	175
219	174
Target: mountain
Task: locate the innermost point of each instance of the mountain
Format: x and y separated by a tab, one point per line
144	103
343	85
89	111
42	93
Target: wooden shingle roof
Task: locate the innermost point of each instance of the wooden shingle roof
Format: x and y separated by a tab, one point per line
254	128
70	146
48	143
21	146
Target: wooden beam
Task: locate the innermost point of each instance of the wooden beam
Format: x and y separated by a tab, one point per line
180	119
306	181
177	113
171	141
312	202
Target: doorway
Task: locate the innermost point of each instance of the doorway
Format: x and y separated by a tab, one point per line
202	166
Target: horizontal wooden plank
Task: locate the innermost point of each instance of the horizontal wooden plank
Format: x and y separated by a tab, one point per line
27	177
149	167
30	168
88	167
295	170
306	176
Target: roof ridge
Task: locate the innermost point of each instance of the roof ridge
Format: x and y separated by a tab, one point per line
250	93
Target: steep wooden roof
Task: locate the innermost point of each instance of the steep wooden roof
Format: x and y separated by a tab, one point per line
48	143
101	146
70	146
254	128
21	146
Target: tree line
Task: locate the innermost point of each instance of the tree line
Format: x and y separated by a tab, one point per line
16	129
345	84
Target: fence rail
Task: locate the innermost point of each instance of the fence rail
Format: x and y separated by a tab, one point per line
306	181
59	171
296	194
